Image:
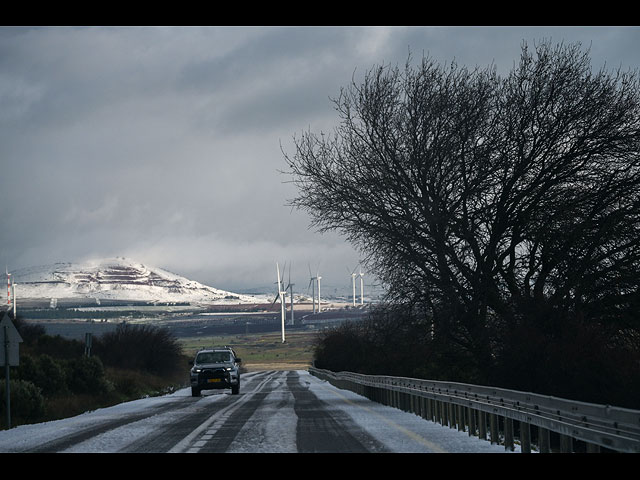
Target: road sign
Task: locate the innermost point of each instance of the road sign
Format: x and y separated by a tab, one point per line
10	341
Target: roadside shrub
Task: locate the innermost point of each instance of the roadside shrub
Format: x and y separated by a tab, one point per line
59	347
45	372
388	342
140	347
87	375
27	403
576	362
340	349
136	384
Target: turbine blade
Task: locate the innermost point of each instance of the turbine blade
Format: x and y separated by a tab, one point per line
278	269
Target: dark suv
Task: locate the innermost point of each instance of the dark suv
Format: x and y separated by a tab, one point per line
215	368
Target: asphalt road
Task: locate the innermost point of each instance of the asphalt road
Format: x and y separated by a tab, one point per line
275	412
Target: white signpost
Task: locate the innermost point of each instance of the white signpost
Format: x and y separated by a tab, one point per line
9	355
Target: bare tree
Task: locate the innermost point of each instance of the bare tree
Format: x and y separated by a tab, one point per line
486	201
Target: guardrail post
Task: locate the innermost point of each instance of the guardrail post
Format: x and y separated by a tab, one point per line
544	440
482	425
593	448
566	444
525	437
508	434
493	426
460	415
471	415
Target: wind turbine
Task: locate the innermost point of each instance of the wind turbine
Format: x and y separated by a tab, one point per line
318	278
353	283
282	296
361	287
312	284
290	288
8	287
13	296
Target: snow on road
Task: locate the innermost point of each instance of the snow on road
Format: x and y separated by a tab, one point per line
401	431
273	426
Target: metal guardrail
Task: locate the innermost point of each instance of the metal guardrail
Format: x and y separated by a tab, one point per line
502	416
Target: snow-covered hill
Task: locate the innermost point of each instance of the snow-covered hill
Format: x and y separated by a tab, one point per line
116	279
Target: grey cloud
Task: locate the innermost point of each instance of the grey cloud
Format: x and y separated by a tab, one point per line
164	143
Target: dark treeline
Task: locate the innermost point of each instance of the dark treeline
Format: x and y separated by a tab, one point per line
502	213
574	363
57	377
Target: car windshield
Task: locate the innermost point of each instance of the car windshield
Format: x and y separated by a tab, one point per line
213	357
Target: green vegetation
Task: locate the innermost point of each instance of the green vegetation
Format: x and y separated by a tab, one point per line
56	379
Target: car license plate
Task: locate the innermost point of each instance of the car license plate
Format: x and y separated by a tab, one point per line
213	380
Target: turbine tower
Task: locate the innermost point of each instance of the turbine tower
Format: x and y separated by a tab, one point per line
282	296
312	284
353	284
13	295
8	287
361	287
318	278
290	288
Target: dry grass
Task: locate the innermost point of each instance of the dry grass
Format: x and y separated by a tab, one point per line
262	351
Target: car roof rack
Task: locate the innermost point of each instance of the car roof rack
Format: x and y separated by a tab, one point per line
225	347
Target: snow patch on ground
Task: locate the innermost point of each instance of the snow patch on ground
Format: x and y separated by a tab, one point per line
401	431
116	279
272	427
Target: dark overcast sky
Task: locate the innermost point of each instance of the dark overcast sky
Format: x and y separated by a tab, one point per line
163	145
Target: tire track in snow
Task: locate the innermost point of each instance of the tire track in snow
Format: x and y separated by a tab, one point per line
322	429
71	440
176	429
217	432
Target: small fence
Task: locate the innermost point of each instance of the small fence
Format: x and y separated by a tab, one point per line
538	423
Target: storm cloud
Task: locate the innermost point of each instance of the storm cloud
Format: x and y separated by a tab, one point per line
164	144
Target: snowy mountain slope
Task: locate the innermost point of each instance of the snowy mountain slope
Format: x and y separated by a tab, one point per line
117	279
